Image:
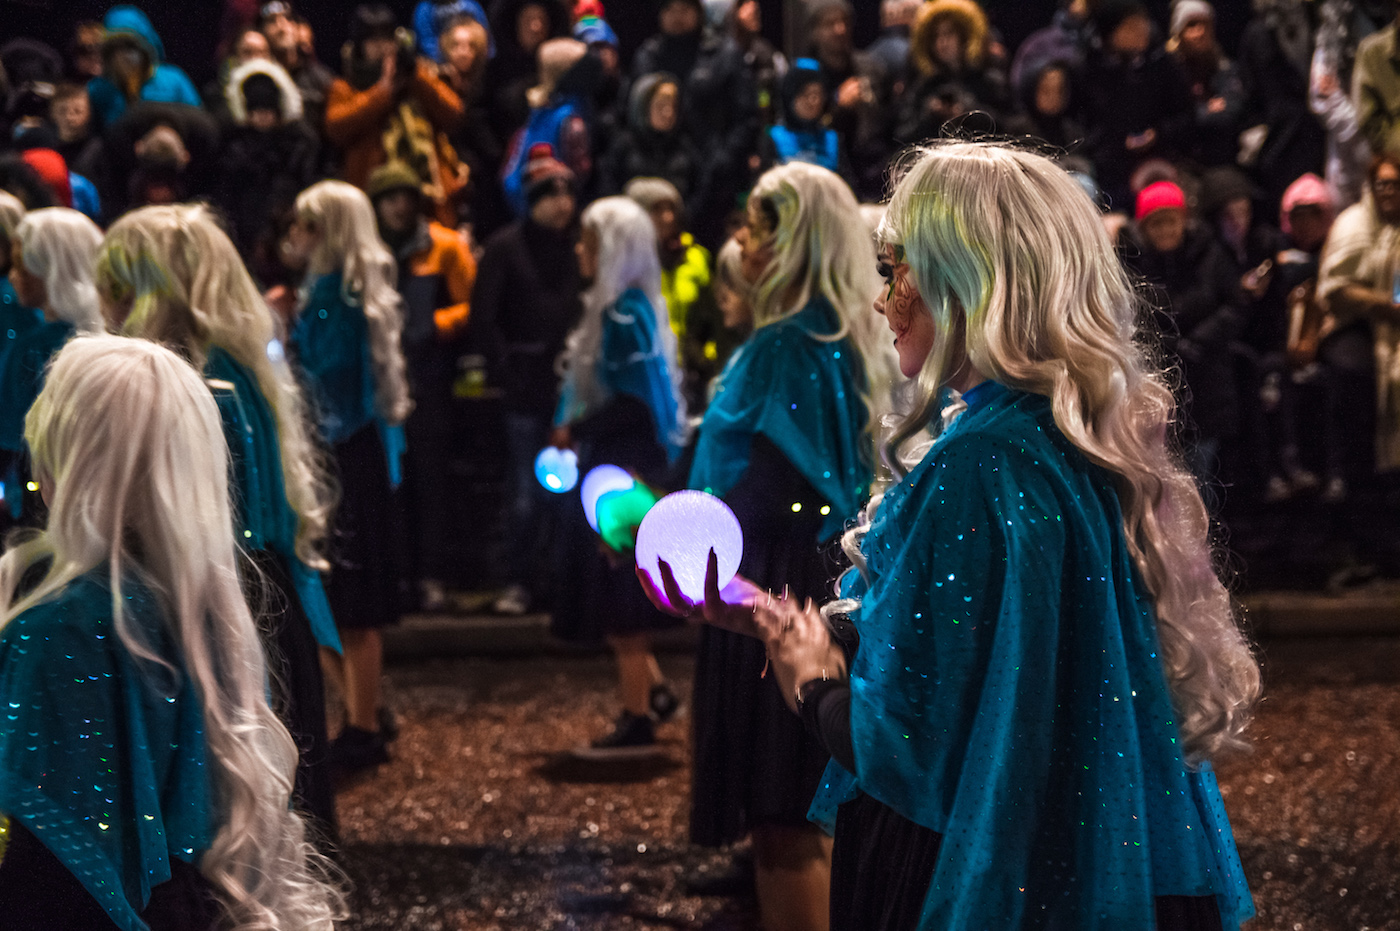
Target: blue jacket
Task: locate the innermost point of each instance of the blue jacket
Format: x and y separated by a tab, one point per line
167	83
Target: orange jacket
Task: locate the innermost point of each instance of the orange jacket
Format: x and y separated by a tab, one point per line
356	120
449	259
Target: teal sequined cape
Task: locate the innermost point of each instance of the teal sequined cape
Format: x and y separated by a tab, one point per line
23	376
1008	694
331	341
804	394
263	517
631	362
103	756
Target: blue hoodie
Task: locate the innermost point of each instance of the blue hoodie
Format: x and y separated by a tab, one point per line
167	83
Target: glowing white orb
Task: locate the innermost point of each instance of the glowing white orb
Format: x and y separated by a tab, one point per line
557	469
599	481
682	528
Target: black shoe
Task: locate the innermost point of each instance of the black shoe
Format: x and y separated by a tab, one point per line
355	750
388	724
663	703
632	737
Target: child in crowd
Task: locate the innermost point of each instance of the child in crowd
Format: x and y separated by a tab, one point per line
803	134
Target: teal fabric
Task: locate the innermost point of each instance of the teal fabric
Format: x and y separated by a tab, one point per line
632	361
23	376
103	756
331	342
264	518
15	321
804	394
1007	691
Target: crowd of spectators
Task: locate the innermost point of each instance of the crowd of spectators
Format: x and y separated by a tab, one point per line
480	133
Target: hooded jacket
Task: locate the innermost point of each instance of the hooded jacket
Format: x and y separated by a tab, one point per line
641	151
164	83
260	173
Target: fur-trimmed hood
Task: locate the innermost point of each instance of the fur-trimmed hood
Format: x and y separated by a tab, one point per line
970	19
291	108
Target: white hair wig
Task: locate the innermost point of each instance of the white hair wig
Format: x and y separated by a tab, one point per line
128	437
189	289
291	102
822	247
1005	245
627	258
350	244
11	212
59	245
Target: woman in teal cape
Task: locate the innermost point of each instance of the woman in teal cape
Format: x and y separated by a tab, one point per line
1046	658
785	443
170	273
49	297
144	780
346	341
619	404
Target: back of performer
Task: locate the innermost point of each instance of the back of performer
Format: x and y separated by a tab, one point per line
146	778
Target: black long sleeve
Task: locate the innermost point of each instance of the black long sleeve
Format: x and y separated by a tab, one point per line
826	712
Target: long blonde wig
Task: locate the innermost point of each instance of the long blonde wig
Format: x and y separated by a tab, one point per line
1006	243
189	289
128	438
627	258
822	247
59	245
350	244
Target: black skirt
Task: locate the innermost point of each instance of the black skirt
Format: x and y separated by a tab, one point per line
598	595
364	581
38	891
882	864
755	764
294	663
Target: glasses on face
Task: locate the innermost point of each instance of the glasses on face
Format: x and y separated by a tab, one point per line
1387	186
887	269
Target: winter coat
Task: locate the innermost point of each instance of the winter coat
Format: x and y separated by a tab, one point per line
357	120
1191	292
1276	95
1215	136
1126	99
165	84
640	151
523	306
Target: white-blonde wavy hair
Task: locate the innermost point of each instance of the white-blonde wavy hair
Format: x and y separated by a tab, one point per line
350	244
627	258
822	247
60	245
1006	244
11	212
127	437
188	288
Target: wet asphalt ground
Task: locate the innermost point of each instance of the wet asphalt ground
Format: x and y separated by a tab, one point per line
482	822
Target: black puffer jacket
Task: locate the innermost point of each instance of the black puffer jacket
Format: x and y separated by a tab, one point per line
1191	293
641	151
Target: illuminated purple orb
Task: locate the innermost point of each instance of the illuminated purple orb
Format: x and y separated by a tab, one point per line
599	481
557	469
682	528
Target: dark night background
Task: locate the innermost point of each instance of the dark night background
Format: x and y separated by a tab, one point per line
190	28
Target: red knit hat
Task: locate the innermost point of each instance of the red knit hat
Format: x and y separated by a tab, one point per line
543	171
53	171
1159	196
